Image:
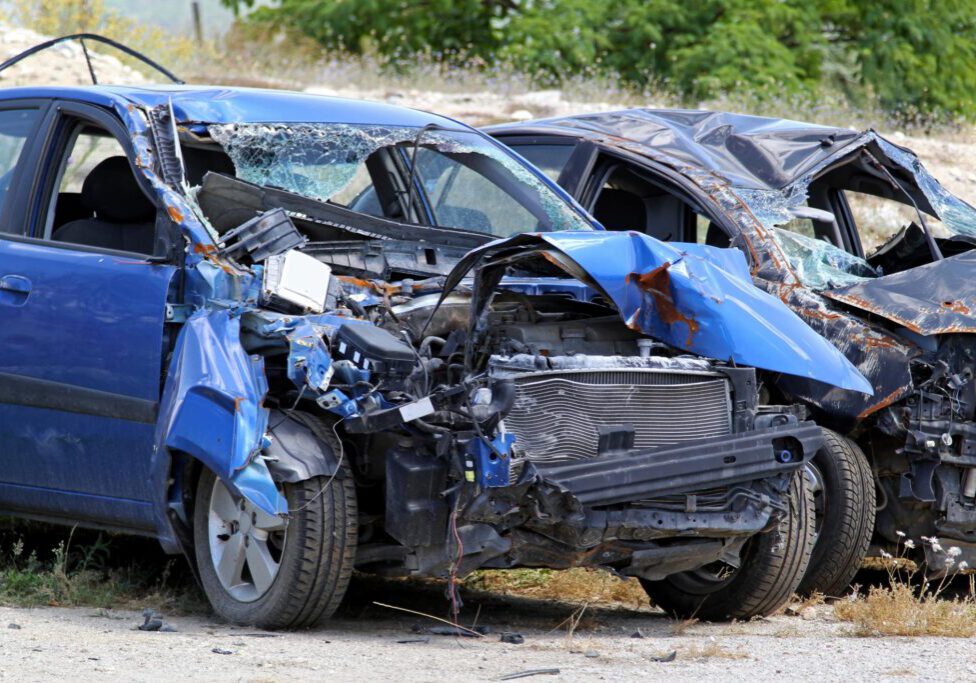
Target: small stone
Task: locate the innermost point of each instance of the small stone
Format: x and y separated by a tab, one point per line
14	626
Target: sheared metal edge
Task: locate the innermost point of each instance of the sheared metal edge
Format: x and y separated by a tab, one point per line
212	406
883	359
675	293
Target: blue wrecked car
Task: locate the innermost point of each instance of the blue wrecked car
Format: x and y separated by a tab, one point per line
289	336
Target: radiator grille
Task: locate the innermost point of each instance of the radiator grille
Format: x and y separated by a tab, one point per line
556	414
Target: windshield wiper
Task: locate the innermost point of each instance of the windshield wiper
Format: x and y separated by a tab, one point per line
933	247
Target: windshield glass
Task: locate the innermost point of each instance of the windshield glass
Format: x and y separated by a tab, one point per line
460	180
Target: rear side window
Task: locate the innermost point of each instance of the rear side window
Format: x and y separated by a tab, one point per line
15	126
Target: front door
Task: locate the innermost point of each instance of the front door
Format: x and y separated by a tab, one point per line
81	341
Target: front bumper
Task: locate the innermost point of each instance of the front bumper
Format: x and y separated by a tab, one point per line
633	475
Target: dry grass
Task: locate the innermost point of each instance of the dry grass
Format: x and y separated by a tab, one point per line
910	605
710	650
900	610
584	586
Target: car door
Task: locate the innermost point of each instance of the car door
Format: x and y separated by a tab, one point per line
81	347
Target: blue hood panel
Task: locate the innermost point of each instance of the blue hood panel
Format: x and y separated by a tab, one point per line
693	297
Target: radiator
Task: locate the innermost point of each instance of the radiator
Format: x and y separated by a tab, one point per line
556	413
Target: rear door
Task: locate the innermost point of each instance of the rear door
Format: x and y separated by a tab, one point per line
81	347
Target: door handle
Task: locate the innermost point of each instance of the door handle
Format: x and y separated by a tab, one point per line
14	290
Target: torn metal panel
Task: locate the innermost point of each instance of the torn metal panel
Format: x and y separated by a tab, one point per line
212	406
936	298
679	298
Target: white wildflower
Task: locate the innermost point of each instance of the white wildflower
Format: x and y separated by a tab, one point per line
909	543
954	551
900	534
885	554
963	566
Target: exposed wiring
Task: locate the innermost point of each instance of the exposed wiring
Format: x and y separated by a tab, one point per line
452	579
328	482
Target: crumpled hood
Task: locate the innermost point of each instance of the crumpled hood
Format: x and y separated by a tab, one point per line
691	296
937	298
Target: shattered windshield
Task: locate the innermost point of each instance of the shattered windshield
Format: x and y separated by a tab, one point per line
450	178
887	228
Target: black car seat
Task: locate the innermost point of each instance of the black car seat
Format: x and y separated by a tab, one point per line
620	210
124	218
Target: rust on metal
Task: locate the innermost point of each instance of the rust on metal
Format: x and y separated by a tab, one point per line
657	283
894	396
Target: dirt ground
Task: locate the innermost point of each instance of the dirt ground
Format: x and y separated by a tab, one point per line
365	643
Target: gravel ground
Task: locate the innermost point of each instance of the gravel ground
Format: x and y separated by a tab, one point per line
362	644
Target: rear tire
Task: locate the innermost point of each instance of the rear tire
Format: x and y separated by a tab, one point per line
771	569
845	502
309	562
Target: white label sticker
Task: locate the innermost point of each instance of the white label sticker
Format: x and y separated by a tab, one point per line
417	409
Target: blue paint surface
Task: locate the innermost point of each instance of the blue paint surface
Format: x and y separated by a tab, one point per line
702	300
213	409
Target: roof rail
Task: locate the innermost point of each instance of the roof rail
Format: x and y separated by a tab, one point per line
81	38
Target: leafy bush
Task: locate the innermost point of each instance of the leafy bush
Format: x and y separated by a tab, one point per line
914	55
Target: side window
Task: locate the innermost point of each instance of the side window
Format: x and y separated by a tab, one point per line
461	197
15	126
550	159
879	220
89	149
97	201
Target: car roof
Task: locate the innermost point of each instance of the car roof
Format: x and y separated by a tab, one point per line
220	104
748	151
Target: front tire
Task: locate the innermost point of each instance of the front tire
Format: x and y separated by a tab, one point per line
772	566
844	497
256	570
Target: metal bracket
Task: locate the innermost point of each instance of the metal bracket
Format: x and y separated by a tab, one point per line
177	313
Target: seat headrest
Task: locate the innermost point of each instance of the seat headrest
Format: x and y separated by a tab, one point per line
111	191
620	210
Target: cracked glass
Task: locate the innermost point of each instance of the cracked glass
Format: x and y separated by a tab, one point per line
460	180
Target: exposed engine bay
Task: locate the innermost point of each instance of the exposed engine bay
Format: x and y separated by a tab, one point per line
479	460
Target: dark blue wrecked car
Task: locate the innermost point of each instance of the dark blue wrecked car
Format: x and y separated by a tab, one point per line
855	236
289	335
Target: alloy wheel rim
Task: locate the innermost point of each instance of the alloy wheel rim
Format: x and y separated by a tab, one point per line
246	544
815	480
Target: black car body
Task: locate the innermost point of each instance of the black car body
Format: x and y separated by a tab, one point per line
798	200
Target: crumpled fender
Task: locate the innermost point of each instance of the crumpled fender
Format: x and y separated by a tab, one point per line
694	297
212	407
936	298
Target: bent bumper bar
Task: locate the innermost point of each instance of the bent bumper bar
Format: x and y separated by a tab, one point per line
720	461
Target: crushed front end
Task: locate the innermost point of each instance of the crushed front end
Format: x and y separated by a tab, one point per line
485	415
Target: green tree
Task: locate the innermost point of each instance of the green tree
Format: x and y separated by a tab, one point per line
914	55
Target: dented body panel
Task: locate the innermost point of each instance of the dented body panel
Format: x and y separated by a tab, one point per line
682	295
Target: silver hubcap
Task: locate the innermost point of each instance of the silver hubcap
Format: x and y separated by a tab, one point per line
245	545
